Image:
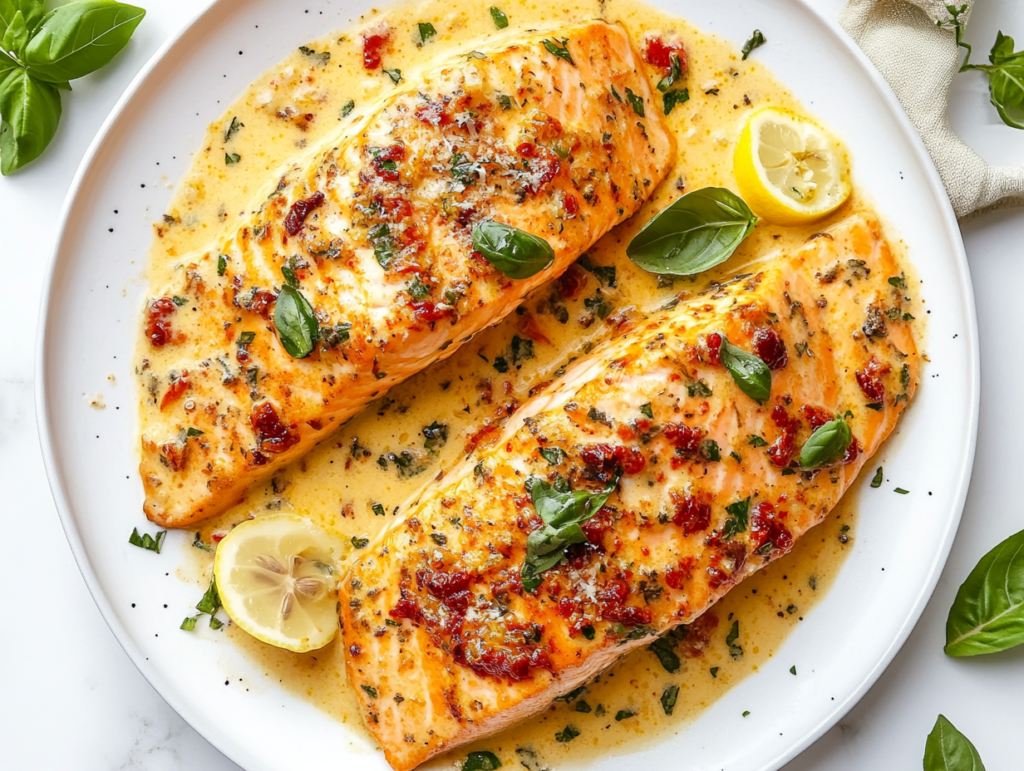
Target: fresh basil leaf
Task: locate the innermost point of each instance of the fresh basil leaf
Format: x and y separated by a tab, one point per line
481	761
673	98
826	444
189	624
230	159
30	110
876	480
1005	79
15	37
360	542
322	57
569	733
624	714
675	73
297	327
756	41
500	19
636	102
426	30
669	697
988	613
665	650
147	541
751	374
736	651
32	12
949	750
210	602
739	516
395	75
514	252
698	231
79	38
559	48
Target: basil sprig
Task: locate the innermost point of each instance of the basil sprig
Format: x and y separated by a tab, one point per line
988	613
563	511
296	324
514	252
949	750
751	374
826	444
39	53
697	232
1005	75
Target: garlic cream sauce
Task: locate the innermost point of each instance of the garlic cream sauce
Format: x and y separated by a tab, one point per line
353	482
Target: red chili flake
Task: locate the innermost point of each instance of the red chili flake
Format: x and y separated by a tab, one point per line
816	416
765	528
271	434
572	205
158	327
177	388
684	437
373	41
300	210
659	54
770	348
693	514
261	303
713	343
869	381
572	282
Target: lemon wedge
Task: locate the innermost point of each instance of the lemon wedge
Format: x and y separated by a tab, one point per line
276	578
789	169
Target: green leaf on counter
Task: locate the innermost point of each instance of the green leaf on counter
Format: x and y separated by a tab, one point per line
949	750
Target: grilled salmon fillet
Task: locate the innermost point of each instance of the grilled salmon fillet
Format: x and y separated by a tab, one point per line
540	132
444	643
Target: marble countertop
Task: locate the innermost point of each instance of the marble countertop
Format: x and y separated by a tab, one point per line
75	701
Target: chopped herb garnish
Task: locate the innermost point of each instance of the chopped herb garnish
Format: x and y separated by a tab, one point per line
179	301
582	706
900	281
669	697
739	516
189	623
147	541
427	31
624	714
675	72
481	761
436	435
191	433
466	172
210	603
233	128
746	713
378	510
505	101
439	538
735	650
383	244
215	623
333	336
636	102
322	57
560	48
876	481
569	733
756	41
395	75
500	19
197	543
553	455
791	609
709	449
604	273
350	105
673	98
665	650
417	289
522	350
246	338
792	670
501	364
370	691
222	265
788	472
647	411
714	672
756	441
615	93
901	491
360	542
735	456
698	388
876	406
599	417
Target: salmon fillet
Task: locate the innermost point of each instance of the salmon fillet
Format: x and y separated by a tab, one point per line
374	227
445	645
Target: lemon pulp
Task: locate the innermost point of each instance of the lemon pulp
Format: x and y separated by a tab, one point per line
276	578
789	169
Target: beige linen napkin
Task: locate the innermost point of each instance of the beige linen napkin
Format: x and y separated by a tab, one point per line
913	45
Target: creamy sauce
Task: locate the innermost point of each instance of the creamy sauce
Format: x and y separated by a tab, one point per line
348	484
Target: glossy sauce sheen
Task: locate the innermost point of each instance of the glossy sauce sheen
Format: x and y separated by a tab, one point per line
342	482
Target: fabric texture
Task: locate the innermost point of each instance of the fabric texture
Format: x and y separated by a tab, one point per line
913	45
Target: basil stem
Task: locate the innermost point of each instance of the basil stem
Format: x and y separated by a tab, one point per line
750	373
988	613
514	252
1005	79
826	444
697	232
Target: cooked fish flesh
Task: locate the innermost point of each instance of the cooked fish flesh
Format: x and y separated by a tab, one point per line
696	485
546	132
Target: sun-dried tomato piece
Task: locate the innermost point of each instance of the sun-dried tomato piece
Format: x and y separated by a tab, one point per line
852	451
176	390
713	345
770	348
373	42
406	608
385	162
272	435
158	326
659	54
529	327
766	529
301	209
572	205
572	282
603	460
693	514
870	381
612	597
683	437
175	454
816	416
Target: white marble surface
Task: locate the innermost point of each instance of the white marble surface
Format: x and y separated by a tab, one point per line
73	700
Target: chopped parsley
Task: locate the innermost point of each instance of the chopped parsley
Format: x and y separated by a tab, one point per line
647	411
500	19
350	105
636	102
736	651
505	101
222	265
147	541
378	510
876	481
522	350
624	714
360	542
569	733
739	516
698	388
553	455
435	435
501	364
559	48
395	75
756	441
669	697
427	31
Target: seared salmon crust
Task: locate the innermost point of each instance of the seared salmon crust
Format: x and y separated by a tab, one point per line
444	645
374	230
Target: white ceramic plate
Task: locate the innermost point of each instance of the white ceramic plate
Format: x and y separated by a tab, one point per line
95	292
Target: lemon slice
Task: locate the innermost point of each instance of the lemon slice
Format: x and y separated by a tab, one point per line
275	576
789	169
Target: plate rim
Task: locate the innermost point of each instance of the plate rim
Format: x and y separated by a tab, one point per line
223	741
